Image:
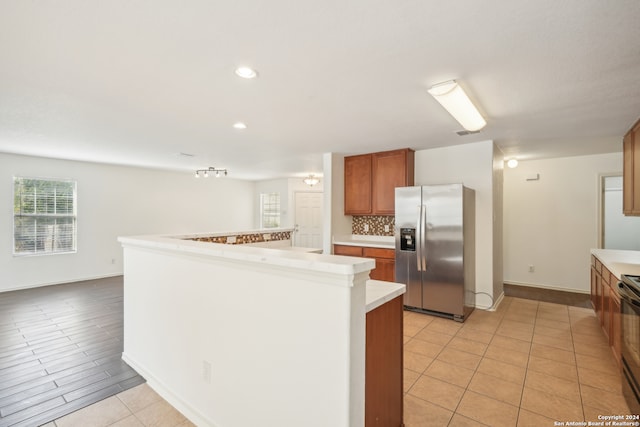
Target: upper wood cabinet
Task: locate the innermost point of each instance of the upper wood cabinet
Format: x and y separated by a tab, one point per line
631	171
357	185
370	181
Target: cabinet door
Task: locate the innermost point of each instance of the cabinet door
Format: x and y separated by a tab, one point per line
385	270
384	365
606	310
598	307
347	250
391	169
594	291
627	174
616	318
635	143
357	185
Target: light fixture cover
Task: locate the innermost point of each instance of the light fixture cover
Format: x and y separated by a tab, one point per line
454	99
239	125
246	72
512	163
311	180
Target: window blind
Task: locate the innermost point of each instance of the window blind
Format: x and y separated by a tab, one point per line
44	216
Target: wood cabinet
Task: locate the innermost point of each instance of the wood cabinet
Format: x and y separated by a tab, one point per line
385	260
606	303
370	181
357	185
384	366
631	171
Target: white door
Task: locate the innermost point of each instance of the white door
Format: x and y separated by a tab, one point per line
308	220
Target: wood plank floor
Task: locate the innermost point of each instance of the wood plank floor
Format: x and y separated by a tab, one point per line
60	350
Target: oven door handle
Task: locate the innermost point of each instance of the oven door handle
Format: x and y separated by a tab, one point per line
631	298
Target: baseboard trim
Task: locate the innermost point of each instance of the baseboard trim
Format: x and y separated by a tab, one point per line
495	305
167	394
42	285
550	287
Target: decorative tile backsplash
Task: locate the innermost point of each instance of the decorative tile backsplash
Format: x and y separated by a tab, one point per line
375	223
245	238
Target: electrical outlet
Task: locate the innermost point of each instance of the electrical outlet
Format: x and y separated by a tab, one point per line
113	260
366	228
266	236
386	228
532	269
231	239
206	371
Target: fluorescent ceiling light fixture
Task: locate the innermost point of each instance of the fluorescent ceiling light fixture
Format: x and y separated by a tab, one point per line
512	163
246	72
453	98
239	125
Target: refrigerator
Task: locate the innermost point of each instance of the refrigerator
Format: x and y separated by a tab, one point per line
435	248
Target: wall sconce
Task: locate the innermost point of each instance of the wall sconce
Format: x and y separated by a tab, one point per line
205	172
454	99
311	180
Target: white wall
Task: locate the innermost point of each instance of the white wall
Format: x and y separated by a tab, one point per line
116	201
473	166
338	223
552	223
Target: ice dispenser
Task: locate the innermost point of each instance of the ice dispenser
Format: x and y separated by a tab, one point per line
408	239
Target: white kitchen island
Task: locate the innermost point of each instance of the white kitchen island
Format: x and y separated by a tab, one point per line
233	335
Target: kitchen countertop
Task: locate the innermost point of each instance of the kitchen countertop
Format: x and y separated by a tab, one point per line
618	261
385	242
285	257
379	293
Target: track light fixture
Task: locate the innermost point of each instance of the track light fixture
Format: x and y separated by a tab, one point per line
205	172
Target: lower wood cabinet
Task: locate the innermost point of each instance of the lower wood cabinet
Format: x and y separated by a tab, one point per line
384	366
606	303
385	259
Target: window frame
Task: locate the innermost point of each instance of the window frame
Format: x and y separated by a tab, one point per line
55	227
275	213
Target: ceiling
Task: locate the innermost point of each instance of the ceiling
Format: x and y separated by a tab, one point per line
138	82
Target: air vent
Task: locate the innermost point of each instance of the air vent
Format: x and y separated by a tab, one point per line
467	132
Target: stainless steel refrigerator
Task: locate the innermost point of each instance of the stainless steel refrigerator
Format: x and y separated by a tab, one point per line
435	248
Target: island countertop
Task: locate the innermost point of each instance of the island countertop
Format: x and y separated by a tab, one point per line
379	293
619	262
248	253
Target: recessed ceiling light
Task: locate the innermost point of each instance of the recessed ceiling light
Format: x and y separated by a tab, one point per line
512	163
246	72
239	125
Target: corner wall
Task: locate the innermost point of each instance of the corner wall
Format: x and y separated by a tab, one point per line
116	201
472	165
552	223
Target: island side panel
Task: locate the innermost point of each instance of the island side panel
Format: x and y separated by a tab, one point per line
215	337
384	365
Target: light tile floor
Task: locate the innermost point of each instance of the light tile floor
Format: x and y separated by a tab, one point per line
529	363
137	407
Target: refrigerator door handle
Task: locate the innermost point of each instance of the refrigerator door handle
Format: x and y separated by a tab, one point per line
419	238
423	237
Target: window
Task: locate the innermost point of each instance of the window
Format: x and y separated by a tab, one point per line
269	210
44	216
